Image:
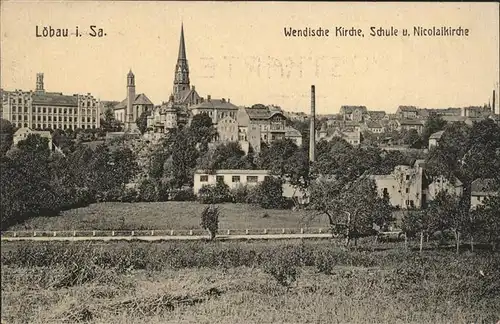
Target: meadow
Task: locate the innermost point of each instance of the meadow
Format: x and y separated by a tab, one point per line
246	282
169	215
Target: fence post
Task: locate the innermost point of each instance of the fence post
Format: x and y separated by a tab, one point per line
246	231
112	233
228	232
152	233
15	234
320	230
282	231
190	232
74	233
34	233
93	233
301	231
265	230
133	233
55	233
172	232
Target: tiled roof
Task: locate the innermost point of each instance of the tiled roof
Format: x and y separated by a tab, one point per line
453	119
54	99
258	113
140	99
373	124
483	185
214	103
349	109
408	108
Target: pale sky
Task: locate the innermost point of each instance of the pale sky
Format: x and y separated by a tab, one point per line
238	50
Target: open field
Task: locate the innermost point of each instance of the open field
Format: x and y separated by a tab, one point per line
233	282
169	215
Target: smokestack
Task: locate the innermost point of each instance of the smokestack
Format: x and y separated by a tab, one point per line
493	105
312	127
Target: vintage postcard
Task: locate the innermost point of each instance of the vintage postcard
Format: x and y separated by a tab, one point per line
249	162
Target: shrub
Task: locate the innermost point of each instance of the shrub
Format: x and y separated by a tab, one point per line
129	195
281	264
210	220
268	194
148	191
240	194
185	194
163	192
217	194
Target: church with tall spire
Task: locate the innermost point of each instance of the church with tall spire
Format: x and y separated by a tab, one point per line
184	94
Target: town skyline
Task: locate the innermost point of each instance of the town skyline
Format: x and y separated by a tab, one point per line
257	72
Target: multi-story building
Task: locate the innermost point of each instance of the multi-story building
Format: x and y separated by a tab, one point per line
410	187
238	178
272	123
407	112
354	113
50	110
409	124
217	109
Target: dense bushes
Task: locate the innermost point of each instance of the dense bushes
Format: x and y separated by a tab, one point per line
217	194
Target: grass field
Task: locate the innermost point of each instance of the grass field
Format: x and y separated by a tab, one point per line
169	215
229	283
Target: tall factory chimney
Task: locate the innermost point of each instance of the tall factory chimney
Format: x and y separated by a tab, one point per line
493	104
312	127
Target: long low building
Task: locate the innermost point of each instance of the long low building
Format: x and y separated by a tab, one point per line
238	178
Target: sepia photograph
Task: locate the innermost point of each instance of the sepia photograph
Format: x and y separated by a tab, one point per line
249	162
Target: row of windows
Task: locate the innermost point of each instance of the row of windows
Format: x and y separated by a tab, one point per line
234	179
49	118
54	126
45	110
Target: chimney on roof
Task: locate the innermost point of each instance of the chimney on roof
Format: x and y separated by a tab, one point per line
209	97
228	100
193	88
312	126
223	100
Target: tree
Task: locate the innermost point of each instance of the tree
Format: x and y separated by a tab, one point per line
268	194
202	131
210	220
220	193
413	139
419	221
432	125
109	123
180	167
353	207
224	156
142	122
467	153
6	136
487	220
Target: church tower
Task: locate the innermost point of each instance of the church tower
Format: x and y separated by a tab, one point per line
181	79
129	118
39	82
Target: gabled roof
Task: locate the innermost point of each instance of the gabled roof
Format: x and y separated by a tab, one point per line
214	103
140	99
408	108
349	109
483	186
54	99
258	113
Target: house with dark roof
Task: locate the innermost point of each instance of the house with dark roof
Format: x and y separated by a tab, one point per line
481	189
354	113
407	112
217	109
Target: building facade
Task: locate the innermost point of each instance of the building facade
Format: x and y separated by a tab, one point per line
50	110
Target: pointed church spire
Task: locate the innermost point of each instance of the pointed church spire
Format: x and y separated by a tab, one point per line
181	79
182	46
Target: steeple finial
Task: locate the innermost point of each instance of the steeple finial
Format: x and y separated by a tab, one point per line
182	45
